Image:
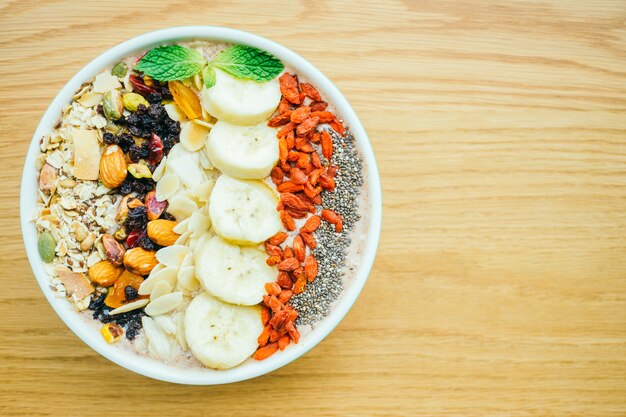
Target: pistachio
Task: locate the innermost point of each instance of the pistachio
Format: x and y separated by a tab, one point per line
122	210
86	244
120	234
112	105
119	70
114	249
139	171
133	100
46	245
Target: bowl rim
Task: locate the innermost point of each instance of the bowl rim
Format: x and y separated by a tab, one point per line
150	367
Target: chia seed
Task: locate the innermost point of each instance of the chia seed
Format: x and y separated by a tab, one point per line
316	301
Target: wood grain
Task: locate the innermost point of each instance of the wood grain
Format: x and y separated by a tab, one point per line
499	287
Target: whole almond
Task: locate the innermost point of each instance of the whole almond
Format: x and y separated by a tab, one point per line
140	261
113	167
105	273
160	232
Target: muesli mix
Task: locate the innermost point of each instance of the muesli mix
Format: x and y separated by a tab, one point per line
197	201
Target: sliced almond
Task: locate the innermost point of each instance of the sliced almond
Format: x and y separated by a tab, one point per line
181	207
181	227
182	239
158	344
180	331
90	99
172	256
105	82
198	223
164	304
174	112
165	274
166	324
167	186
187	278
130	307
203	191
160	170
193	136
160	288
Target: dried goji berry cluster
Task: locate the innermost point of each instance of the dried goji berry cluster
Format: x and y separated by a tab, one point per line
300	177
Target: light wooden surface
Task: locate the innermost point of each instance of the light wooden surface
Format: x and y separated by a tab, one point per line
500	283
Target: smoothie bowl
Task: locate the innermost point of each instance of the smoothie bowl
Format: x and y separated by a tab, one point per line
200	205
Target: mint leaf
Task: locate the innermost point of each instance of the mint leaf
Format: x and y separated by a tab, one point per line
172	62
248	63
208	74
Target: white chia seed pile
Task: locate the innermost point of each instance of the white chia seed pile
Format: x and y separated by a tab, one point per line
315	302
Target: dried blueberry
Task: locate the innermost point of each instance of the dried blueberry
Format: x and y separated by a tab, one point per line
147	244
130	293
109	138
134	153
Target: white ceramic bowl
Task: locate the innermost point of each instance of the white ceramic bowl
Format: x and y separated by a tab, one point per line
152	367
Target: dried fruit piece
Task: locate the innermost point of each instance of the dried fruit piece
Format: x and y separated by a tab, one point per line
140	261
280	120
156	149
273	260
289	88
310	268
318	105
300	285
286	129
310	91
265	351
105	273
311	224
307	126
327	145
272	288
287	220
46	246
285	295
330	216
134	203
117	295
283	106
278	238
300	114
273	250
161	232
293	332
283	342
332	171
309	240
288	252
296	214
288	264
327	182
298	248
292	201
289	187
298	176
154	207
186	99
282	150
265	335
111	332
277	175
265	315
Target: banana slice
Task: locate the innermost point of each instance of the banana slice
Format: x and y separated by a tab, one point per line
221	335
241	102
234	274
243	212
248	152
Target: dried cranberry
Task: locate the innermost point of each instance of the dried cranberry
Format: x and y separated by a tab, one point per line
167	216
156	149
132	239
140	87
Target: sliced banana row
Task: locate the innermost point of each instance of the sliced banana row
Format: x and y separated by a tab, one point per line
221	325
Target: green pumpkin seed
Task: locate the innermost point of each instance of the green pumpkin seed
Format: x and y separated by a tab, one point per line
46	245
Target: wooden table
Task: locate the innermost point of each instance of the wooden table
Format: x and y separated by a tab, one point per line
500	283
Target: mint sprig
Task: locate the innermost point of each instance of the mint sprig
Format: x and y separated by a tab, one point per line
175	62
172	62
248	63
